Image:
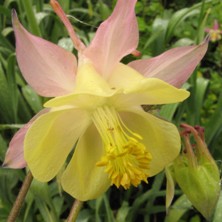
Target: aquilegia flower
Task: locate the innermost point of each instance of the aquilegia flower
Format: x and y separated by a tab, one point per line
215	32
96	117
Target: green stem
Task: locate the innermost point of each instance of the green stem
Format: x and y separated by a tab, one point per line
76	207
10	126
20	198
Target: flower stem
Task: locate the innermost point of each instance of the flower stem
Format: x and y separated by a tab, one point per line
76	207
20	198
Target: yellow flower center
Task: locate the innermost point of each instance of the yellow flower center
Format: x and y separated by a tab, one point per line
126	159
215	35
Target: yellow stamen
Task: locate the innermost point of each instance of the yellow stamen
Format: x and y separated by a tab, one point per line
126	159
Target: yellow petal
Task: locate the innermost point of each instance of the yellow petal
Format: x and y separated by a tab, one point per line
82	178
139	90
91	90
124	77
50	139
89	81
85	101
160	137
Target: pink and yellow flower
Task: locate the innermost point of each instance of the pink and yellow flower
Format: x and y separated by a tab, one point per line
214	32
96	116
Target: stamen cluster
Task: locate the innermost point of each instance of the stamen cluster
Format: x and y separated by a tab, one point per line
126	159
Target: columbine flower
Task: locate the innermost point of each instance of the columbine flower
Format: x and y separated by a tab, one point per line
98	106
215	32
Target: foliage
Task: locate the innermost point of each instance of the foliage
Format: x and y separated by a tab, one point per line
162	26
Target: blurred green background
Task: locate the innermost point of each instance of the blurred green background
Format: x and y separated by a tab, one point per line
162	25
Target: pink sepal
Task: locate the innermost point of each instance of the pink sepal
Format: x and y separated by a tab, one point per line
115	38
14	157
173	66
48	69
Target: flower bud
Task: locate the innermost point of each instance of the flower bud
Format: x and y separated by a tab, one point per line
196	172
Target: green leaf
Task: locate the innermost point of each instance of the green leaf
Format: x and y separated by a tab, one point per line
6	112
177	18
32	98
43	200
214	125
167	111
123	212
3	147
85	215
178	209
27	4
218	210
66	43
12	86
196	100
